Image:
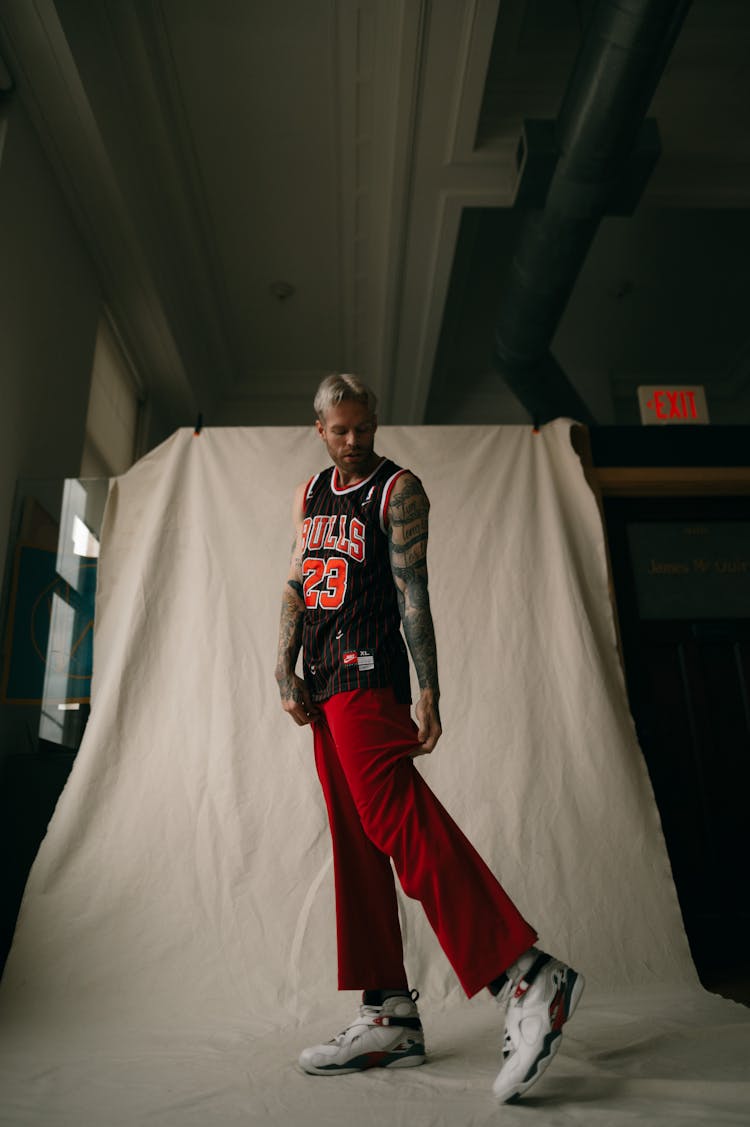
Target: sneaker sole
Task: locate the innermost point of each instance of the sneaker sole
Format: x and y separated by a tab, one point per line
363	1063
551	1044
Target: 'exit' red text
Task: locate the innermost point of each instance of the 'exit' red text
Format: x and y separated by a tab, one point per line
673	404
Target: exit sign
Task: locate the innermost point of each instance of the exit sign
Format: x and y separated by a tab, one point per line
660	404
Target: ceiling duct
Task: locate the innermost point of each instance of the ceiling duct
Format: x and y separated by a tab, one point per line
620	62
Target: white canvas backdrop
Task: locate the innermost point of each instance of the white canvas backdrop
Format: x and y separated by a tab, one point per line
175	947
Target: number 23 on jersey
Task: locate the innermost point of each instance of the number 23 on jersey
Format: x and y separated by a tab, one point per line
324	582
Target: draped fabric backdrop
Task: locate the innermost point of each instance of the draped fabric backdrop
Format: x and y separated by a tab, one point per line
176	945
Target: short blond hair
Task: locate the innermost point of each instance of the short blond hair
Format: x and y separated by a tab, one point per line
340	385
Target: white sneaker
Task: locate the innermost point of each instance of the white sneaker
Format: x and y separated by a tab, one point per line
387	1036
543	993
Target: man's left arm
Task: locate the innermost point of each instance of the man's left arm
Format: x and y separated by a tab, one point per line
408	511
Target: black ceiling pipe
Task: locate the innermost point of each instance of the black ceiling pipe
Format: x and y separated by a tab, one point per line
622	56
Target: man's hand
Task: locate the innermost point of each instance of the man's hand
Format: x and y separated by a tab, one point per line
428	721
296	700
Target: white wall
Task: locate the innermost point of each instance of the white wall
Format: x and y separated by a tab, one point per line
49	310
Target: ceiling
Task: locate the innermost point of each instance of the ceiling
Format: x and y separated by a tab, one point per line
274	189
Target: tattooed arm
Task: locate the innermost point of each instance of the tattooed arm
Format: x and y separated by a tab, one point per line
295	698
408	509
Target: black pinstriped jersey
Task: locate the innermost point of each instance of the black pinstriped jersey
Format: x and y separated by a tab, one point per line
351	635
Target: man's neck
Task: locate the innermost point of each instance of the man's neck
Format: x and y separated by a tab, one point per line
352	477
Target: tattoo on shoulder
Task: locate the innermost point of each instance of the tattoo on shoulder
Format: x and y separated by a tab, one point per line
407	533
408	503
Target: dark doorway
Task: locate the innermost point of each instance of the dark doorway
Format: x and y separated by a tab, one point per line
681	570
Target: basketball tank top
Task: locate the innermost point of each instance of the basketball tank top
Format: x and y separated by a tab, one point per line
351	636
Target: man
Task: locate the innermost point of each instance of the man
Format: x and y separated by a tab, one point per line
358	573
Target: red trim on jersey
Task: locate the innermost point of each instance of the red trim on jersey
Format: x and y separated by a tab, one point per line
387	497
339	489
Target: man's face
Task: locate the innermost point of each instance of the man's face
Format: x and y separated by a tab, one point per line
349	437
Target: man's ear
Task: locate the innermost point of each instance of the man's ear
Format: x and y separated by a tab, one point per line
319	427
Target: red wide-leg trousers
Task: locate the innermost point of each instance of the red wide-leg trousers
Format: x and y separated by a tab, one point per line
380	807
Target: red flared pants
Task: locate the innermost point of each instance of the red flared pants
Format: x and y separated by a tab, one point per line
380	807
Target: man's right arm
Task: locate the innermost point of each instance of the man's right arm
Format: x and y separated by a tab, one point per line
295	697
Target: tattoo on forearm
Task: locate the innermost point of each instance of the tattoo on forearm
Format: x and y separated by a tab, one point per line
407	545
290	640
420	634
